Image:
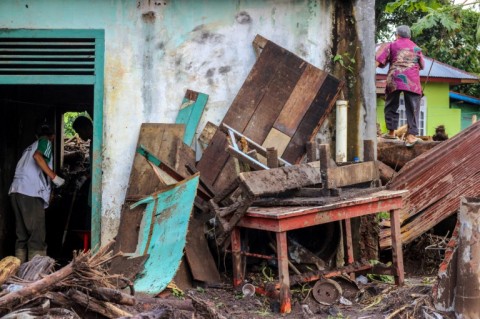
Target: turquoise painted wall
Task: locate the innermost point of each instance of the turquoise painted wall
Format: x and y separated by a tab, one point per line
438	110
154	53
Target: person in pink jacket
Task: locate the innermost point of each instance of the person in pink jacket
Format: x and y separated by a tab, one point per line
405	60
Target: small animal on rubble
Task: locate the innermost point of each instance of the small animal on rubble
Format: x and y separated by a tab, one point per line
440	134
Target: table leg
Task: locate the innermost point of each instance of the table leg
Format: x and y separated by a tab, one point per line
349	241
283	276
236	257
397	254
349	244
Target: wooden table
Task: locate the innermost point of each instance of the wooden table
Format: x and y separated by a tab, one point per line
282	219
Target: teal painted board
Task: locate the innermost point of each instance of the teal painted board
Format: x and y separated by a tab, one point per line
163	233
190	113
97	140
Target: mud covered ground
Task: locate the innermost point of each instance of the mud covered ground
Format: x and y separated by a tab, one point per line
376	298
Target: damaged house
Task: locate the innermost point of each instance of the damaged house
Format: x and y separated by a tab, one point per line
132	62
215	123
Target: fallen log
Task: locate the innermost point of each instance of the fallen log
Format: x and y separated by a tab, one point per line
386	172
36	288
102	307
395	154
82	266
112	295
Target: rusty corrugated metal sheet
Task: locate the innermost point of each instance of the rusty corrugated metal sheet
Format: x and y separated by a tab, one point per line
436	180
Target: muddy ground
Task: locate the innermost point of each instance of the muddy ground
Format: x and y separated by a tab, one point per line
378	298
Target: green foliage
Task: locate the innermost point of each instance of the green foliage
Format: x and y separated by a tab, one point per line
412	5
383	278
383	215
177	293
68	119
345	61
268	274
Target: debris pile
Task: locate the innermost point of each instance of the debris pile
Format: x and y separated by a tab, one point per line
78	290
436	180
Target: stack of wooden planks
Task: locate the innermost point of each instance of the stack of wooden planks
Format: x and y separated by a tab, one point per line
281	104
436	180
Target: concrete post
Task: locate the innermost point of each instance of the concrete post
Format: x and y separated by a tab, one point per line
467	295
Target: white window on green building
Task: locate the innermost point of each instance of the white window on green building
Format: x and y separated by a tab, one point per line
422	121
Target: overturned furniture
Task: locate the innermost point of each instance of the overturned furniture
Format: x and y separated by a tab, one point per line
300	196
280	220
250	186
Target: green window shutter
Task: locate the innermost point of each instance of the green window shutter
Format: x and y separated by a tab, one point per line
41	56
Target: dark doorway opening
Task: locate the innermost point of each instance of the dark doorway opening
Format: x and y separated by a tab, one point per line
22	109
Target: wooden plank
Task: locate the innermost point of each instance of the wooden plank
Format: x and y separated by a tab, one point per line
161	139
214	159
207	134
313	119
183	277
199	257
258	44
229	173
300	100
190	113
241	110
287	73
352	174
277	139
277	180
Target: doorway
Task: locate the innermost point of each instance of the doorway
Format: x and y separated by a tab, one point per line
43	75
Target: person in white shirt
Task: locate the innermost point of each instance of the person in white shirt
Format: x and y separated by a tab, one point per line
30	195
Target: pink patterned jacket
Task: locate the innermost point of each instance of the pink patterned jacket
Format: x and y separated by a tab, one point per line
406	61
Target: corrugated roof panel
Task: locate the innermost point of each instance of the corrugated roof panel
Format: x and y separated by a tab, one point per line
438	70
436	180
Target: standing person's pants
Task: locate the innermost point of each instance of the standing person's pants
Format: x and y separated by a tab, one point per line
29	224
412	110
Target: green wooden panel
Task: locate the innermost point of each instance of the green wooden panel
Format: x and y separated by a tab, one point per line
47	79
190	113
163	233
52	33
97	142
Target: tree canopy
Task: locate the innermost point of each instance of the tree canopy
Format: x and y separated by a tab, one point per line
446	31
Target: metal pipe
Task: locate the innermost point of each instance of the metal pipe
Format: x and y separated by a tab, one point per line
341	132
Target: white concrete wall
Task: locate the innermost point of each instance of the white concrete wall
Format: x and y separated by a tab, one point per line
155	50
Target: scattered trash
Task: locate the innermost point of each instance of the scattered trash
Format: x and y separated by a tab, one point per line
248	290
361	279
